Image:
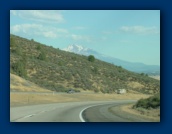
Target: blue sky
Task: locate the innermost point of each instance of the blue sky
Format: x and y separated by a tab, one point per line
131	35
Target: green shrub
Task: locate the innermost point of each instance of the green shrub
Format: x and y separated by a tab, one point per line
142	74
120	67
60	63
19	69
91	58
103	91
96	90
76	90
151	102
73	58
39	47
42	56
95	70
83	72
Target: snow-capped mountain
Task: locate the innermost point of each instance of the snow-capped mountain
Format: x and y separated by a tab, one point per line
80	50
75	48
132	66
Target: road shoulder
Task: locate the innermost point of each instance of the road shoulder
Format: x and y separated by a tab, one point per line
142	115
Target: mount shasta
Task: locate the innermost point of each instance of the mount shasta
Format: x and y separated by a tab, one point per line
131	66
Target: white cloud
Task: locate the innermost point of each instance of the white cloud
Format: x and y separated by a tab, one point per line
50	34
38	30
47	16
139	29
46	32
81	37
25	28
61	30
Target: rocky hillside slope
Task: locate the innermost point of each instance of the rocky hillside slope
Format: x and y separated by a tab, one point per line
58	70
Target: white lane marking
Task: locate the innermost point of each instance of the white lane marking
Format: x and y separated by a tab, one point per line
80	114
27	116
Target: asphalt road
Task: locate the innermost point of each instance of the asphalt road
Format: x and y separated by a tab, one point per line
91	111
104	113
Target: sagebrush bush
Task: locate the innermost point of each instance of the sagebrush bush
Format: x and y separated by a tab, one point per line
42	56
19	69
151	102
49	67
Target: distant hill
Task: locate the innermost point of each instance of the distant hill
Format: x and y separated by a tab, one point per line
132	66
59	70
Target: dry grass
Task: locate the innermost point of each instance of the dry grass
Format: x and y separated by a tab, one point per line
153	114
28	93
42	98
156	77
19	84
135	85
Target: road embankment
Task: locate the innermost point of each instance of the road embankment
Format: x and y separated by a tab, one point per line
152	115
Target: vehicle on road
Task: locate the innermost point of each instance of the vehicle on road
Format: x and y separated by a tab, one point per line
70	91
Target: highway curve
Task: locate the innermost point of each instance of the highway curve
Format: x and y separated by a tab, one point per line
90	111
103	113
